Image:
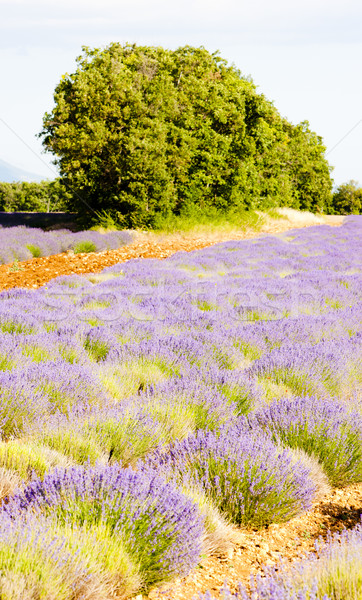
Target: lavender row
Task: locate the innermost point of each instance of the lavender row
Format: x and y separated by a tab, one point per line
23	243
101	532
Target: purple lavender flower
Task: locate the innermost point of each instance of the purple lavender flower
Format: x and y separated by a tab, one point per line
251	481
159	526
326	429
24	242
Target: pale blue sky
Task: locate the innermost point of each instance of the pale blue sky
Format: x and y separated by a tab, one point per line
304	55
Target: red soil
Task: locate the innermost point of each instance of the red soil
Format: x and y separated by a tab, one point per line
38	271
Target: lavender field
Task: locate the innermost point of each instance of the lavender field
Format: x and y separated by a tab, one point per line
150	410
23	243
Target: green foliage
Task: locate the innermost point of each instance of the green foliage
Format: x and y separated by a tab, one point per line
84	247
66	561
142	133
303	164
195	219
14	268
97	349
27	457
106	222
347	199
123	381
22	458
72	444
124	441
45	196
240	395
35	250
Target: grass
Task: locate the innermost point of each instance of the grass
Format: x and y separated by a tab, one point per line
195	221
84	247
35	250
210	221
124	380
15	267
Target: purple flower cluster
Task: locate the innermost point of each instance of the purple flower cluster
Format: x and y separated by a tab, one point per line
158	525
22	243
35	562
324	428
250	479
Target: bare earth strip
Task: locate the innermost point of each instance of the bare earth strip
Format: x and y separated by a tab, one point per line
37	271
341	509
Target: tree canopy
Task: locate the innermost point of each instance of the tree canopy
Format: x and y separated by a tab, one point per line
139	130
43	196
347	199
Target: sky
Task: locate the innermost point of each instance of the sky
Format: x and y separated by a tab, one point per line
304	55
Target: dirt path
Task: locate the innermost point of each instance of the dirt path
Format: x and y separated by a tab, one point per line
341	509
38	271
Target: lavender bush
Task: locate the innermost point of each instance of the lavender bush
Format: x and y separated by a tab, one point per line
159	527
34	566
19	407
27	458
41	558
250	480
107	435
323	428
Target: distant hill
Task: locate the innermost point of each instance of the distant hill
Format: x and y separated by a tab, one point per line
9	173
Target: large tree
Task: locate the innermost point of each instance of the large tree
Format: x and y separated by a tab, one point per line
143	130
347	199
